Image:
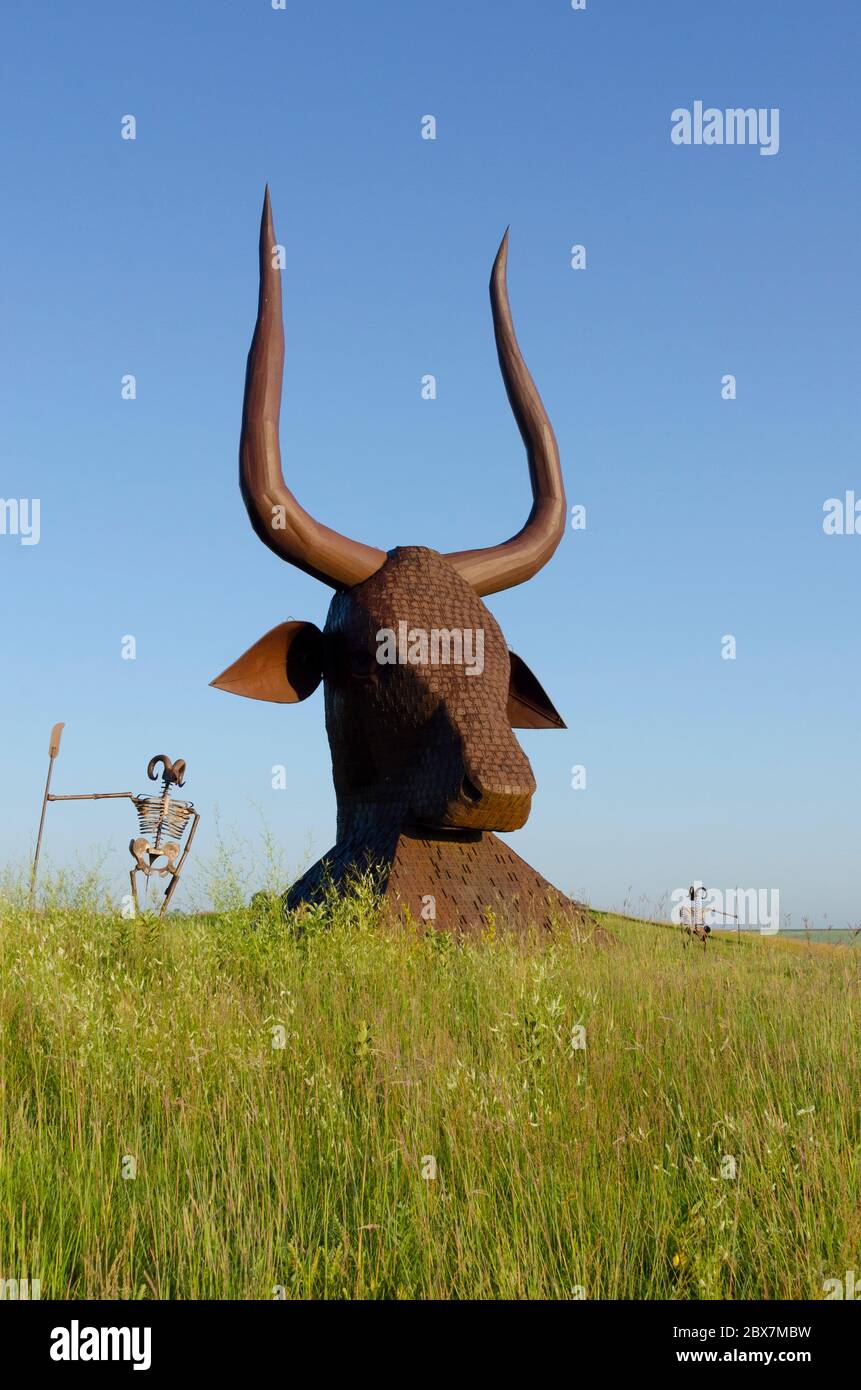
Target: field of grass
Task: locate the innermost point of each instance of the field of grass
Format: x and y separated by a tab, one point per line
357	1112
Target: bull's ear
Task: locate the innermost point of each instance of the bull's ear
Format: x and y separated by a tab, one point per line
529	705
285	666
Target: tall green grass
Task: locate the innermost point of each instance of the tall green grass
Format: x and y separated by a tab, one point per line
306	1168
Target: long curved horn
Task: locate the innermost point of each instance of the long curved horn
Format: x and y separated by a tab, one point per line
275	514
502	566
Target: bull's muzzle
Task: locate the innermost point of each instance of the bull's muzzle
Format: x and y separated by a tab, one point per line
492	802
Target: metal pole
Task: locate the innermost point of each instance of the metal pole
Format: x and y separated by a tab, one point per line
53	750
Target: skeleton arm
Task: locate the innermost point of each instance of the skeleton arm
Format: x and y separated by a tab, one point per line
93	796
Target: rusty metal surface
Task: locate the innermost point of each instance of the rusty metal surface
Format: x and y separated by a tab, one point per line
473	879
458	881
407	741
285	526
424	760
290	531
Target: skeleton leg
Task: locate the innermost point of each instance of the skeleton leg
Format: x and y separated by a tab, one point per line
134	882
169	891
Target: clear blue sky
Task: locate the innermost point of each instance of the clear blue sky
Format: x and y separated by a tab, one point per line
704	515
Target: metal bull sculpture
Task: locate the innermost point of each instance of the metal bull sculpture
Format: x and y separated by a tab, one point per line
424	759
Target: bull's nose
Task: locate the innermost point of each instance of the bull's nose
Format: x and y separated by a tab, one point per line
498	802
502	786
470	791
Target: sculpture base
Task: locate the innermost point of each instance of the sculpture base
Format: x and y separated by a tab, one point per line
468	875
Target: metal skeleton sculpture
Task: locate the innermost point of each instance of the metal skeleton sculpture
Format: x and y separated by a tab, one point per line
424	759
161	821
162	824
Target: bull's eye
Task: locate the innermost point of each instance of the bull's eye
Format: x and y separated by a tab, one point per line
362	666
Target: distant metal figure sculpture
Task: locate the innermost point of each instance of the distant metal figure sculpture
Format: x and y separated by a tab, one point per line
162	823
693	918
159	817
424	759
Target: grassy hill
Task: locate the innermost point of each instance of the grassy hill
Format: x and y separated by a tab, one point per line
357	1112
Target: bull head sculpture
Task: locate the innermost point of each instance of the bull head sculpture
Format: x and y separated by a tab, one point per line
424	759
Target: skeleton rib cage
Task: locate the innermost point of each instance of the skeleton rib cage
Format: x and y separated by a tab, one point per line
161	819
